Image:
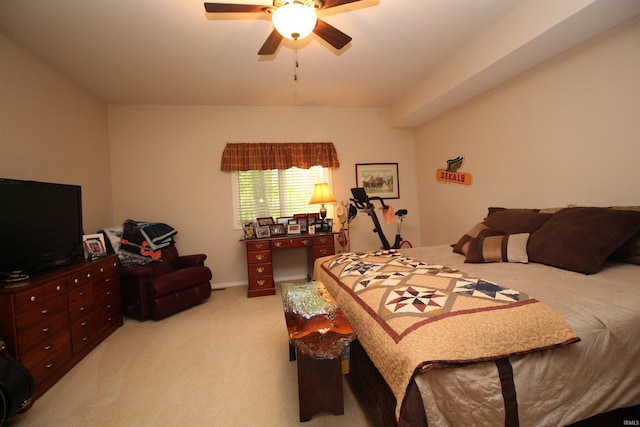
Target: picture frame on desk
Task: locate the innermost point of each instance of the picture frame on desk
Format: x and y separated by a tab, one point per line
263	231
301	219
293	229
277	229
249	228
265	220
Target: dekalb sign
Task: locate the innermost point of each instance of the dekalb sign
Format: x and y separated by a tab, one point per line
450	175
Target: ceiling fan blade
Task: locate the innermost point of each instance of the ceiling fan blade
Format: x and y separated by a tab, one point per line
271	44
326	4
331	35
233	8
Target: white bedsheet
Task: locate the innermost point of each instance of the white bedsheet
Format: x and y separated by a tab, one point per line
556	387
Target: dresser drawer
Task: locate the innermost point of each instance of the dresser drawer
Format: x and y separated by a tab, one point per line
43	331
28	299
83	331
80	277
258	245
41	370
81	296
41	314
256	270
104	267
258	257
106	290
45	349
260	282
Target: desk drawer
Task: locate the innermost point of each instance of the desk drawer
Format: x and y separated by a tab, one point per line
323	240
258	245
257	270
258	257
260	282
320	251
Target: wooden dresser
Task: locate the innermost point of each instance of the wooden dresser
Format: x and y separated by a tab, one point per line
259	257
50	324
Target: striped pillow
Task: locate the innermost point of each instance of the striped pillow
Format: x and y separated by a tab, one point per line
508	248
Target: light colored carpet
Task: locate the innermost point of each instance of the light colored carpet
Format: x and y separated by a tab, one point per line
222	363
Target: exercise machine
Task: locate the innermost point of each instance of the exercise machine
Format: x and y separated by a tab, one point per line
363	202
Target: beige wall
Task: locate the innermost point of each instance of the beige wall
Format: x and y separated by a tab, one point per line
567	132
51	130
166	168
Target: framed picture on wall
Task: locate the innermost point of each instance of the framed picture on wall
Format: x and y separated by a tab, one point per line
379	179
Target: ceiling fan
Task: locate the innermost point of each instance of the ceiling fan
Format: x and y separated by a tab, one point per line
287	16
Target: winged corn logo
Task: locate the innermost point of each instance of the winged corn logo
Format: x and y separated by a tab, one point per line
451	174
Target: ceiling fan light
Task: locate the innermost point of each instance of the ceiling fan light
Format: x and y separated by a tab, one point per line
294	21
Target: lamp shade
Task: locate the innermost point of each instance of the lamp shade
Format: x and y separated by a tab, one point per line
294	20
321	194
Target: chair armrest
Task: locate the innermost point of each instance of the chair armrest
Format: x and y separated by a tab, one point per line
184	261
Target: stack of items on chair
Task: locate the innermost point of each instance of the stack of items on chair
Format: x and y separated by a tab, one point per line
155	280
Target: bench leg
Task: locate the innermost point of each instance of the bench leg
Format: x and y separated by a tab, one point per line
319	386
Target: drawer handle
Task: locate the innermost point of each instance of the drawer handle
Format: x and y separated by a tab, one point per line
83	293
259	245
109	319
107	280
88	275
108	292
260	269
114	264
109	305
83	308
324	251
33	298
44	311
48	347
75	280
58	288
50	365
85	323
305	242
277	244
46	329
85	338
259	257
261	282
101	270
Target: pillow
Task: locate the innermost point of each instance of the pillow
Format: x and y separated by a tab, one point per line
493	210
580	239
513	222
630	251
478	230
509	248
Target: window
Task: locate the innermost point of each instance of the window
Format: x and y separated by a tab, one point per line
275	193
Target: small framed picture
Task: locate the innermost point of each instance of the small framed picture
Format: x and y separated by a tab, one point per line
263	231
249	228
94	246
293	229
302	220
277	229
312	218
284	220
265	220
329	222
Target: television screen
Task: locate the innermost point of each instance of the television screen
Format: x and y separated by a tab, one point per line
40	226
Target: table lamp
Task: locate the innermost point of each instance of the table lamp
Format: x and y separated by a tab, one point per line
322	194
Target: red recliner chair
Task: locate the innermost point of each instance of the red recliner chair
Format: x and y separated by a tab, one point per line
159	289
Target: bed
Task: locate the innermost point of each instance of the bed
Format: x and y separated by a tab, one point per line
580	361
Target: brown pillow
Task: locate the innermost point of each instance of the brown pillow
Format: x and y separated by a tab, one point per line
493	210
581	239
478	230
630	251
513	222
509	248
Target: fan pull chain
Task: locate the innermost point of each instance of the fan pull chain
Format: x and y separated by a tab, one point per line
296	65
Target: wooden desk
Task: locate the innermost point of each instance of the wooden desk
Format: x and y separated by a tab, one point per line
259	257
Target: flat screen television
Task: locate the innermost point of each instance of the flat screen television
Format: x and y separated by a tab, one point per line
40	226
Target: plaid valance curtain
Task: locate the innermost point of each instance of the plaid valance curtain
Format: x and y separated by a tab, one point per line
279	155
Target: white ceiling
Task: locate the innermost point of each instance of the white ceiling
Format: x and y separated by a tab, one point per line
172	52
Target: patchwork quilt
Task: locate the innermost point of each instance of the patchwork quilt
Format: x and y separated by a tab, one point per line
412	316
